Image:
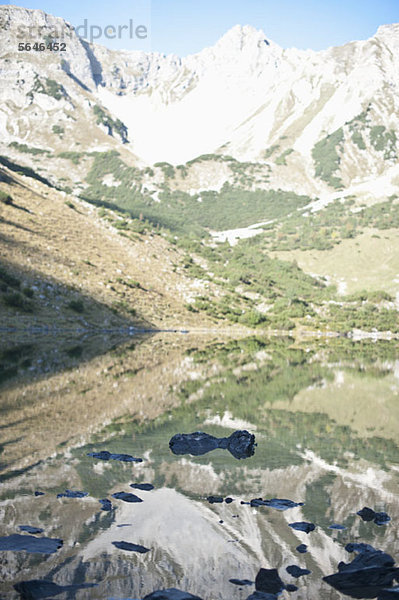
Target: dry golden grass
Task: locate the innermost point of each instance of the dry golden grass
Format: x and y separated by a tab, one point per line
62	246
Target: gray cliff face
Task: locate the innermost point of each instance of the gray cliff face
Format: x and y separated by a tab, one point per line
317	120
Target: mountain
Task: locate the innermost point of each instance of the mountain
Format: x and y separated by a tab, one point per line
330	116
243	139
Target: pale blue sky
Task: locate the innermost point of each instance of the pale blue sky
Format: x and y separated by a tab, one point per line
184	27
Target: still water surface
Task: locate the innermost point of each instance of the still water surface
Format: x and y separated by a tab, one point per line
326	419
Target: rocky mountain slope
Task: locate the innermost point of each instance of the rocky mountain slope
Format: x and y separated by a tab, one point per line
298	148
312	120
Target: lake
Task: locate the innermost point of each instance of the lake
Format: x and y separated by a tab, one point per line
325	415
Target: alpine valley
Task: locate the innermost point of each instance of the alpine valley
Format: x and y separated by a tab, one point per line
247	185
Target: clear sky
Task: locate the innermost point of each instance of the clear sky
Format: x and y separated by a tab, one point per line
186	26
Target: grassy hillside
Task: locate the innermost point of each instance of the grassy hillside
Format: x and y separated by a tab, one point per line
62	264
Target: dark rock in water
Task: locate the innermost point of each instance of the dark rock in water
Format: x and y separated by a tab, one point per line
72	494
131	547
30	529
355	547
303	526
39	493
105	455
229	500
381	518
268	580
367	575
105	504
145	487
302	548
196	443
336	526
126	497
241	444
262	596
171	594
296	571
290	587
35	589
282	503
389	593
367	514
30	543
215	499
277	503
241	581
256	502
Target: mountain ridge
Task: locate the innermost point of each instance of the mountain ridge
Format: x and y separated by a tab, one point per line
239	96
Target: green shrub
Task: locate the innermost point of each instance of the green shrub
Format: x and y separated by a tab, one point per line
28	149
5	198
168	169
327	159
383	140
76	305
280	160
28	292
8	278
72	156
357	139
17	300
104	118
57	129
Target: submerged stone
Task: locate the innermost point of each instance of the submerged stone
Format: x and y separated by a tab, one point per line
215	499
302	548
131	547
367	514
30	543
268	580
381	518
196	443
30	529
35	589
241	444
277	503
282	503
389	593
126	497
303	526
105	504
72	494
359	547
296	571
105	455
145	487
241	581
171	594
367	575
262	596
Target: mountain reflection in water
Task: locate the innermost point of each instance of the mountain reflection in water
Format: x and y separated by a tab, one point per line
325	416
